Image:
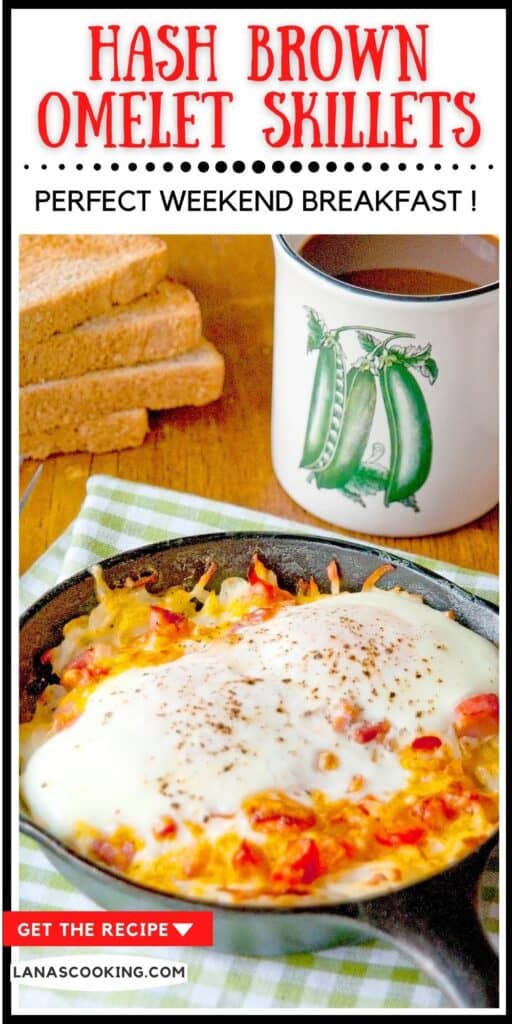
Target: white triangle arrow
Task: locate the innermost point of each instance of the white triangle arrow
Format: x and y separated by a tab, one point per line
182	929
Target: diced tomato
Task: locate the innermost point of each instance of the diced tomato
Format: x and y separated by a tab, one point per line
477	716
366	733
278	814
368	805
409	837
435	811
426	743
167	623
262	589
258	571
302	864
83	660
481	798
307	859
451	806
269	821
82	670
46	657
338	819
472	841
166	828
458	800
348	713
116	856
348	848
264	582
247	856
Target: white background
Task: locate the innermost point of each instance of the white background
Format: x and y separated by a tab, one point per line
465	52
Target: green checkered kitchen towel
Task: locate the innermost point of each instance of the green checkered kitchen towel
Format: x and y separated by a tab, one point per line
118	515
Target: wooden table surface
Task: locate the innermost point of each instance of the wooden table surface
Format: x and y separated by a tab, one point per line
221	451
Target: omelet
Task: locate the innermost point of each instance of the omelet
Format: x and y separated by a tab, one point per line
266	747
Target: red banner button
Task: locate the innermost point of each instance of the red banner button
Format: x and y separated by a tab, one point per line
107	928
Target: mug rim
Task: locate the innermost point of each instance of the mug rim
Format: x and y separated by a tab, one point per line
372	292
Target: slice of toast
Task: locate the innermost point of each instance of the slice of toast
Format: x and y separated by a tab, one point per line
107	433
193	378
160	325
66	279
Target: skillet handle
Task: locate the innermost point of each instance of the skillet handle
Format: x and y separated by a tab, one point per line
435	923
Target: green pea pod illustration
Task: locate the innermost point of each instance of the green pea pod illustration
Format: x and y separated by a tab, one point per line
368	480
342	410
361	396
326	408
410	432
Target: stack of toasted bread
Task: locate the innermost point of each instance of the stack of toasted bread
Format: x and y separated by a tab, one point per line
105	335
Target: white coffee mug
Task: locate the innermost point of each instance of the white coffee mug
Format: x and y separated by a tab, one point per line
385	406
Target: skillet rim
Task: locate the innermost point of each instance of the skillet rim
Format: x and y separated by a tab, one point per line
181	542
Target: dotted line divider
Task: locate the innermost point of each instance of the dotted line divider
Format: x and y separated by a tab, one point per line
258	167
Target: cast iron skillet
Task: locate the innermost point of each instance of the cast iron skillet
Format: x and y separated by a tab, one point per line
434	922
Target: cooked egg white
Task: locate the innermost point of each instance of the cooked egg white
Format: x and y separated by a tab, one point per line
193	738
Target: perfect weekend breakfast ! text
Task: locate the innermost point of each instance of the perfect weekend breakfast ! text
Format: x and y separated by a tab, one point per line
212	200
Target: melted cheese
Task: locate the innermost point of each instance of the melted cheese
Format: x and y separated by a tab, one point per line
193	738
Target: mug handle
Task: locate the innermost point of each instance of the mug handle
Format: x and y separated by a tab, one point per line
435	923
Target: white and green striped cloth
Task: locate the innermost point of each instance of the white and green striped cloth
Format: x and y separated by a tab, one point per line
118	515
